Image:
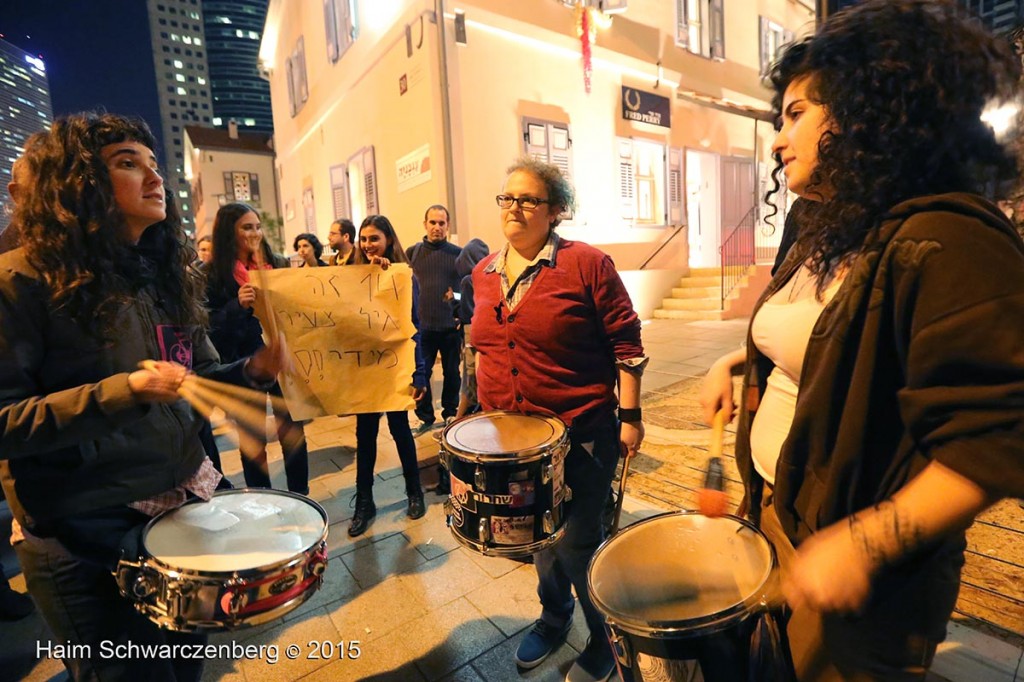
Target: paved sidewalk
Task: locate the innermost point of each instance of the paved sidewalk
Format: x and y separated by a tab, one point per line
420	606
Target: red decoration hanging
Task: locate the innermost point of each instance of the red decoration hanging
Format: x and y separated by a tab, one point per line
586	29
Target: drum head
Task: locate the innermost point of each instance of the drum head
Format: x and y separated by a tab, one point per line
235	531
675	569
502	435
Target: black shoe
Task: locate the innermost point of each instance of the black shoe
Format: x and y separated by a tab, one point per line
14	605
365	511
416	507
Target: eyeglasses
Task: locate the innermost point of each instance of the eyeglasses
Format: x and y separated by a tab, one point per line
506	201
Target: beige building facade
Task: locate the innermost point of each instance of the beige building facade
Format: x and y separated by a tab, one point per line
391	106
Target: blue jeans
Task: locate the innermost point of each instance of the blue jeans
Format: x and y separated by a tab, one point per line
80	602
564	566
449	344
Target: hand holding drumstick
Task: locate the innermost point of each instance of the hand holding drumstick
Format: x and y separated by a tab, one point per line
712	500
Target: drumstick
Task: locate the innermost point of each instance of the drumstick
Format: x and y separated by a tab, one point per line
241	392
712	499
622	493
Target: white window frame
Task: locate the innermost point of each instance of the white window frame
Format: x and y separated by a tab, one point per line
342	27
700	27
362	187
773	37
231	190
550	142
668	186
295	74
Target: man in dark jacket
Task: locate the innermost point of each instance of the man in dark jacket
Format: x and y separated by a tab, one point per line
433	263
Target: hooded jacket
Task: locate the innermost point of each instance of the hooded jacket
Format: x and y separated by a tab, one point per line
919	357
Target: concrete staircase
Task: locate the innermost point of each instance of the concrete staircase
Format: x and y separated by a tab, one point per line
698	297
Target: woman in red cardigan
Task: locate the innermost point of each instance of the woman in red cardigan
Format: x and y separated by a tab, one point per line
556	333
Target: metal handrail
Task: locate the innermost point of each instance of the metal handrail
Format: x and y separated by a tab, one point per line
736	254
663	244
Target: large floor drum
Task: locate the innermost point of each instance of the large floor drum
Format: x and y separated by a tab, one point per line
681	593
507	481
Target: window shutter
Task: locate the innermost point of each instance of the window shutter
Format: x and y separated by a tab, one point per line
254	188
764	33
560	149
289	68
229	185
717	29
627	179
535	139
331	26
339	191
300	67
676	205
348	30
370	182
308	209
682	25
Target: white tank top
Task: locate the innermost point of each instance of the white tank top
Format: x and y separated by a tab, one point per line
781	331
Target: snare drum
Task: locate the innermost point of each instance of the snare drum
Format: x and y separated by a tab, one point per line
507	481
680	593
241	559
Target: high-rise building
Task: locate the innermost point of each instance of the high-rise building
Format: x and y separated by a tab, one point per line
1001	16
233	32
24	110
183	86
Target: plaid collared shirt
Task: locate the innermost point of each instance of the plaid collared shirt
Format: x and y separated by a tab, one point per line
513	292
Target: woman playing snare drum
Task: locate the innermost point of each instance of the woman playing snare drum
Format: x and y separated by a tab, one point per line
556	332
91	445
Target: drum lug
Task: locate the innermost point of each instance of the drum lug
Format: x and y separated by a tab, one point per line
143	587
547	473
480	479
548	522
568	493
484	530
448	510
620	647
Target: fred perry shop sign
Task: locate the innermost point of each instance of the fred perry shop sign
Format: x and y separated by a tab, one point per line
646	107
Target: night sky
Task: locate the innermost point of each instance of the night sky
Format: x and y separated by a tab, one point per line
98	54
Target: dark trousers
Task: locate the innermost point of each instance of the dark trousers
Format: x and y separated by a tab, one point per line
564	566
210	444
253	449
367	427
449	344
80	602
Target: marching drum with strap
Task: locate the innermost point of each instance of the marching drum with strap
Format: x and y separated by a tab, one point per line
241	559
507	481
681	594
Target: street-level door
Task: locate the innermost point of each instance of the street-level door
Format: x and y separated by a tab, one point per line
703	206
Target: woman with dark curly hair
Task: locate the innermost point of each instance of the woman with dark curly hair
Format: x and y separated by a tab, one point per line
883	394
92	446
239	248
309	249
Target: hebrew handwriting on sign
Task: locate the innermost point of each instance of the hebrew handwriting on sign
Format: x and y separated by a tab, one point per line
349	330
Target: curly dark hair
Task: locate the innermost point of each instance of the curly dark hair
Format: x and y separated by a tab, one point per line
394	251
904	83
318	248
221	270
76	236
561	195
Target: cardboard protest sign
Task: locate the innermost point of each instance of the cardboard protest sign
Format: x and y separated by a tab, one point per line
349	330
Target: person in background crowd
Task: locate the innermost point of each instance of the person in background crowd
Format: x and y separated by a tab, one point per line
91	446
379	245
433	263
309	249
239	249
342	238
556	333
471	254
883	392
204	247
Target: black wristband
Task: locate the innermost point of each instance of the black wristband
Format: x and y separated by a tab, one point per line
630	414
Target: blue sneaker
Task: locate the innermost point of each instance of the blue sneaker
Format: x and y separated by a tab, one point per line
540	641
595	664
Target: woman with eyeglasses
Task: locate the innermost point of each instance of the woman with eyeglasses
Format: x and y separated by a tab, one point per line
556	333
883	401
379	245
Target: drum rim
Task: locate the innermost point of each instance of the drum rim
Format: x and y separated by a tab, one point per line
152	561
522	457
669	629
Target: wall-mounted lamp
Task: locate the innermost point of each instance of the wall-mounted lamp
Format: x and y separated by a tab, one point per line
460	27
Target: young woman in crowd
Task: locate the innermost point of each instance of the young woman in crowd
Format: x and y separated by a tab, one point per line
883	403
309	249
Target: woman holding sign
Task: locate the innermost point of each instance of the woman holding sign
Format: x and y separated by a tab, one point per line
378	245
238	249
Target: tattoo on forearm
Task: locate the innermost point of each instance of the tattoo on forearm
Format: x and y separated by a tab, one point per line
886	534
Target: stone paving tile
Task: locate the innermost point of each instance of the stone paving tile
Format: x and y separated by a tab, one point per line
448	638
465	674
495	566
444	579
511	601
378	662
313	627
368	615
432	538
375	562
